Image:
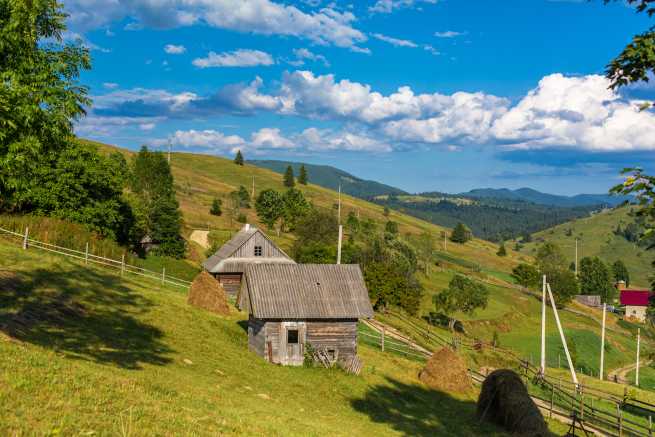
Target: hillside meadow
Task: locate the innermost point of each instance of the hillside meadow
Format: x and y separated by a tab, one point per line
596	238
88	353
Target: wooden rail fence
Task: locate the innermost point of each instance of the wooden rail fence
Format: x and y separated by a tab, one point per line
119	266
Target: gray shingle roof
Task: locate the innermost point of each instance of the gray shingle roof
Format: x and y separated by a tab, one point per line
305	291
228	249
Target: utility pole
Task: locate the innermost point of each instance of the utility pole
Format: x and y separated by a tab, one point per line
543	326
637	370
170	147
561	334
602	343
339	244
576	256
339	207
253	188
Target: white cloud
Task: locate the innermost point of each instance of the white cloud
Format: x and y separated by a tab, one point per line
207	139
303	53
237	58
449	34
388	6
270	138
394	41
580	112
432	50
110	85
326	26
574	112
173	49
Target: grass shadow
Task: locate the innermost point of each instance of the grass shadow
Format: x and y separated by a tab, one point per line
81	312
243	324
415	410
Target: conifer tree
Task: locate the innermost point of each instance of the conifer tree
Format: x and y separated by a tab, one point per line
216	207
238	159
501	250
289	180
302	176
461	234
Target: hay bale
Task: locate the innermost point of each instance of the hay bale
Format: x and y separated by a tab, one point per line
207	293
505	401
446	371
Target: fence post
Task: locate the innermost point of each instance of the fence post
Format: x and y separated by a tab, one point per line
382	340
122	264
27	231
650	426
620	419
163	275
86	253
552	399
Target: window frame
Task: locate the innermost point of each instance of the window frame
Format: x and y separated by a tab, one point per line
259	249
296	333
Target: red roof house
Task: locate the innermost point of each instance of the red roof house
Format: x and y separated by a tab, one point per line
637	298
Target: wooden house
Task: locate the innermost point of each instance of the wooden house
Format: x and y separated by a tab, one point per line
293	305
249	246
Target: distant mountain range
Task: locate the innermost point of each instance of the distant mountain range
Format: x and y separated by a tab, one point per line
331	177
534	196
493	214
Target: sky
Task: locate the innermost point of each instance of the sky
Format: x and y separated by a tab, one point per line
425	95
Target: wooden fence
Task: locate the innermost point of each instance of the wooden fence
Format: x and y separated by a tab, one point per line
120	266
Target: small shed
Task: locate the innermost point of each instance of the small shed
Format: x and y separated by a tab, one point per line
249	246
293	305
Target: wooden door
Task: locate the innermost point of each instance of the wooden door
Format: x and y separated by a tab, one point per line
292	343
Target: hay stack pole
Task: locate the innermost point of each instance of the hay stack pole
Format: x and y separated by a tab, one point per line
602	343
543	326
561	334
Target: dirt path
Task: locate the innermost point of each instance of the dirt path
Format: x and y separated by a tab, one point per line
393	333
620	375
200	237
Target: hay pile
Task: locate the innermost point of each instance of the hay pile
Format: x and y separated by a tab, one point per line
504	400
207	293
446	371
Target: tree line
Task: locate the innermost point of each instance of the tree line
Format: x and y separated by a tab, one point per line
44	169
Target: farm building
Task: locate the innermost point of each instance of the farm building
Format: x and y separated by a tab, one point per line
635	301
291	306
249	246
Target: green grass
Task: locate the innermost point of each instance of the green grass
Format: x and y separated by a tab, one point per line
597	239
84	352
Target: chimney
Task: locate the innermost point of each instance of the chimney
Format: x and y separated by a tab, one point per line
247	227
620	285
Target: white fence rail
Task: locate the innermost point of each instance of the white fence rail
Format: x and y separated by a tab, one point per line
87	257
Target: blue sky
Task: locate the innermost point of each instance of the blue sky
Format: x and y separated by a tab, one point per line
443	95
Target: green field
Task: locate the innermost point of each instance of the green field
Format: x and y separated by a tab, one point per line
596	238
85	352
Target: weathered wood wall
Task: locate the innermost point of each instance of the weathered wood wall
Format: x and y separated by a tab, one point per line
248	249
339	335
231	282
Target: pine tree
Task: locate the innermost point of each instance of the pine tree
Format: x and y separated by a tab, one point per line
216	207
289	180
620	272
238	159
461	234
501	250
302	176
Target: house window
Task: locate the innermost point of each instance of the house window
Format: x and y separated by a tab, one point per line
292	336
258	251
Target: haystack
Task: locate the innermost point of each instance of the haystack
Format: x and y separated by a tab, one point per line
207	293
446	371
505	401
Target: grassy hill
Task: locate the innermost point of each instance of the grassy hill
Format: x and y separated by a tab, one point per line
331	177
596	238
85	352
201	178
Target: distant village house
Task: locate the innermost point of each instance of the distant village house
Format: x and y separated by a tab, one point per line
635	302
293	305
249	246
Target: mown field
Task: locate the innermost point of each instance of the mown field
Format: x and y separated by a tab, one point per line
596	238
85	352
